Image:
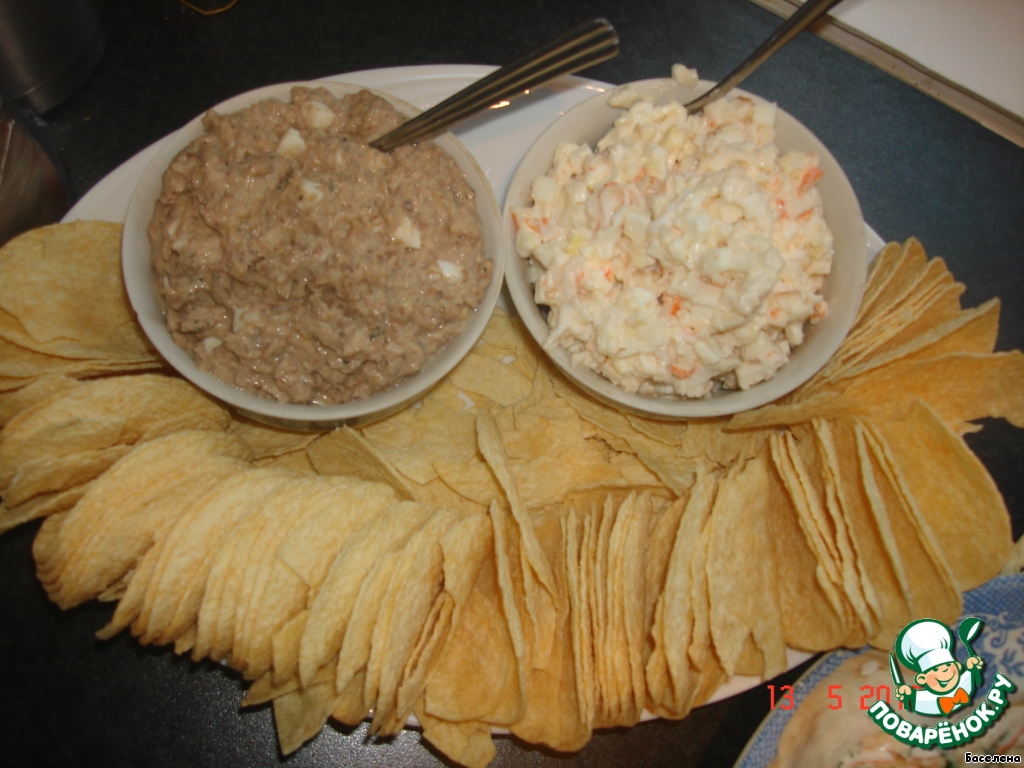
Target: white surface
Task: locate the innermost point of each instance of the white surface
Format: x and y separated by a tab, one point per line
842	290
497	143
978	44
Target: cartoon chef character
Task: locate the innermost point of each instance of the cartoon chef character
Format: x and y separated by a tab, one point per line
943	684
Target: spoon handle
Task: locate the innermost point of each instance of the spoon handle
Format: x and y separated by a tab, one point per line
581	47
802	18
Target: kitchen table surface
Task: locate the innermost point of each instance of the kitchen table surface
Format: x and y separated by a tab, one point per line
919	168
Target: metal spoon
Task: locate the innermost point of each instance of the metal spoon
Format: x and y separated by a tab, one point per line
802	18
581	47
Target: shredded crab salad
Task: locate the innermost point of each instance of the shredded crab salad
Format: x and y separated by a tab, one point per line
684	255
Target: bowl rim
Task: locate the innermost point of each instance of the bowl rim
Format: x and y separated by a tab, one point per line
143	296
724	403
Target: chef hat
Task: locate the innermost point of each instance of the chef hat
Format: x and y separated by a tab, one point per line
924	644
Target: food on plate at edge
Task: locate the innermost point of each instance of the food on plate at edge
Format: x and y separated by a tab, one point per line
821	734
686	254
297	263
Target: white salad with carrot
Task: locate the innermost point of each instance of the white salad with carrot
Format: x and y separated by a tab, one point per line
684	253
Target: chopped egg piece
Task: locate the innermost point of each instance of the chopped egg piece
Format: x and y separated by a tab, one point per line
291	143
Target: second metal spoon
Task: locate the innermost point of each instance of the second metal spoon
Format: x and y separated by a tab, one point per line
802	18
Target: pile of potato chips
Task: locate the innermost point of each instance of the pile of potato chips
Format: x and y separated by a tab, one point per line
508	554
63	306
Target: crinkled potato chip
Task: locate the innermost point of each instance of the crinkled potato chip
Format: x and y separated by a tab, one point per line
331	609
62	283
346	452
957	499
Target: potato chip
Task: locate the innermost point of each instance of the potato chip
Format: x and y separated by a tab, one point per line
578	608
62	283
332	607
357	643
784	413
888	273
822	478
411	594
494	452
513	571
960	387
606	708
421	661
55	441
871	531
812	519
970	331
42	505
476	677
495	380
113	523
553	714
709	672
502	332
85	422
744	603
41	389
442	426
467	743
269	603
164	509
310	547
214	622
933	299
631	582
345	452
20	367
48	475
668	668
814	611
438	494
855	569
930	589
284	648
549	456
293	461
350	705
268	441
254	544
892	275
664	526
957	499
263	689
300	714
663	460
172	604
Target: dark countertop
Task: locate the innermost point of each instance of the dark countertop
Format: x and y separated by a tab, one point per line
919	168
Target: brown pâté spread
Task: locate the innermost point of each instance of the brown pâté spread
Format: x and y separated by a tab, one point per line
298	263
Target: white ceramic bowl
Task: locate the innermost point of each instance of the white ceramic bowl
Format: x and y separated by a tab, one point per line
589	121
145	300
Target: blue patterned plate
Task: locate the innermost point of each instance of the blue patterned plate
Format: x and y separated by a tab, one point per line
999	603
